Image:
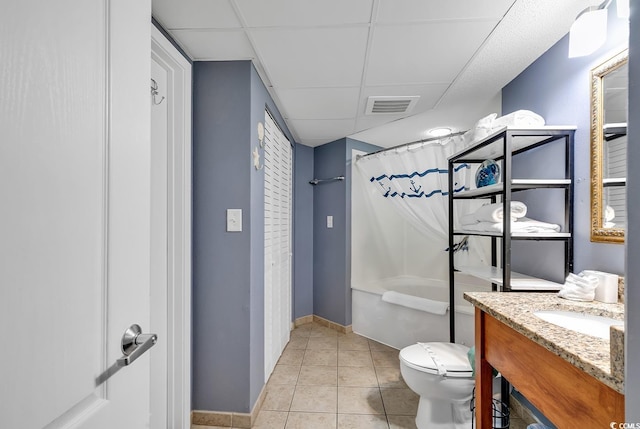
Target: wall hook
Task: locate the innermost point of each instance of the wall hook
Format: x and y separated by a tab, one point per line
154	92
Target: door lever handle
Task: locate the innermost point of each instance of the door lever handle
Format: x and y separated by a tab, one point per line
134	344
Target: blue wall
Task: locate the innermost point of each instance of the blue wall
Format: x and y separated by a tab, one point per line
558	88
303	231
228	267
329	249
332	246
221	180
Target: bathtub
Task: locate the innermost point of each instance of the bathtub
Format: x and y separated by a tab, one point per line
399	326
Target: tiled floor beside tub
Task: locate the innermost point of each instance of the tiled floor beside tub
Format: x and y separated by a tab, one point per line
328	380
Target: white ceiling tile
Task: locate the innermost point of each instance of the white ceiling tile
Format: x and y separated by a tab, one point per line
421	10
311	55
329	130
530	28
215	45
417	53
260	13
364	123
315	142
319	57
429	95
458	117
195	14
319	103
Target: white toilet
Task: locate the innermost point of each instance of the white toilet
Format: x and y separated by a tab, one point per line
441	374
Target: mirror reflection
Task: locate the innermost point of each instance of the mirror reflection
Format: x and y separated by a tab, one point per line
609	89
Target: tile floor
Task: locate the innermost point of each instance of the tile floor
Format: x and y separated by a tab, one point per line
328	380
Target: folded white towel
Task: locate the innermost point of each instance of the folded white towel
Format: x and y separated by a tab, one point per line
494	213
575	294
521	225
416	302
481	129
524	224
519	118
491	123
581	287
583	280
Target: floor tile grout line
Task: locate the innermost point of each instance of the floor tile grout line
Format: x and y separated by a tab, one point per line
375	368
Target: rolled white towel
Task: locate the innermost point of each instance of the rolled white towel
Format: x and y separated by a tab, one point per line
494	213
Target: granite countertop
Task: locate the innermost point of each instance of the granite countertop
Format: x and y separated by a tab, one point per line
595	356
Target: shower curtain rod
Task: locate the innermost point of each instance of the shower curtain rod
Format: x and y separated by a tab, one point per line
316	181
410	143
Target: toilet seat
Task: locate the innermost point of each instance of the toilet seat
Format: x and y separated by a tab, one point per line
445	359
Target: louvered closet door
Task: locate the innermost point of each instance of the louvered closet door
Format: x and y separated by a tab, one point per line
277	242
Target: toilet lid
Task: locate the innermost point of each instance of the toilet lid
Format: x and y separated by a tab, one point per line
438	358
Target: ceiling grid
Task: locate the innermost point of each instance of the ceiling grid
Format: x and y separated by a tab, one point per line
321	61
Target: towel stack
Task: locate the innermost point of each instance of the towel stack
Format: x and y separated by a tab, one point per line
492	123
579	287
489	218
494	213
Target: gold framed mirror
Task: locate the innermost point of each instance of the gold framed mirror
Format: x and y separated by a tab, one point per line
609	89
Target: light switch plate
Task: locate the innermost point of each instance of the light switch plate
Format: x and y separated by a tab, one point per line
234	220
329	221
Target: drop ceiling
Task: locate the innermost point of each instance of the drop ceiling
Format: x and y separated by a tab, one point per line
322	60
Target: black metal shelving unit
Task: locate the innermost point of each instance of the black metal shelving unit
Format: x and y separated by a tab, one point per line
501	146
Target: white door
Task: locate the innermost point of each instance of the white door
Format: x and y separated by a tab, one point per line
74	212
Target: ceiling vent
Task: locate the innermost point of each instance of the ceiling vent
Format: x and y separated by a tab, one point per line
390	105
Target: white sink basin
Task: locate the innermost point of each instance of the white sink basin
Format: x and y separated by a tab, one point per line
595	326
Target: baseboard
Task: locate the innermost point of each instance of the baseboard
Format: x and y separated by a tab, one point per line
302	320
332	325
226	419
321	321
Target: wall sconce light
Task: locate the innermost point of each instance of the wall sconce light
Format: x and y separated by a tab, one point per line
623	9
589	30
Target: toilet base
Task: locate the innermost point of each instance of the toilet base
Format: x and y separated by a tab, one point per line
434	414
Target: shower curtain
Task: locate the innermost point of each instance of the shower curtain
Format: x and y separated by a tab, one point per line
401	210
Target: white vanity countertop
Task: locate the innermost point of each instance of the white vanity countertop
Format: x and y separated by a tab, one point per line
592	355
